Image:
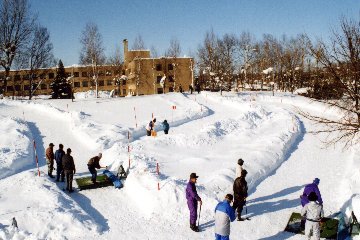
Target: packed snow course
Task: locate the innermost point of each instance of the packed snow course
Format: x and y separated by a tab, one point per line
208	134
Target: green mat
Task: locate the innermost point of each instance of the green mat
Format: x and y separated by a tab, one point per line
86	183
329	229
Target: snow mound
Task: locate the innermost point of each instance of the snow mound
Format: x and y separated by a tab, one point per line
92	94
15	146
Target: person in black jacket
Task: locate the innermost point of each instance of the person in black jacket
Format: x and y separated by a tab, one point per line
69	169
240	193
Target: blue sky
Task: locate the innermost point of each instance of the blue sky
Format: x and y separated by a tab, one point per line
160	20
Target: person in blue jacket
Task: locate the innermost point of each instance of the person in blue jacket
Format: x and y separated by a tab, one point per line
59	169
166	126
224	214
312	187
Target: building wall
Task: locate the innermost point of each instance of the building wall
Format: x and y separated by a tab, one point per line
143	73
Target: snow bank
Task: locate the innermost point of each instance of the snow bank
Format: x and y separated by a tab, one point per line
41	207
15	146
91	94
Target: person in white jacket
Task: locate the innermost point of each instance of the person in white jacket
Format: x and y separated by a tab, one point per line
239	168
314	213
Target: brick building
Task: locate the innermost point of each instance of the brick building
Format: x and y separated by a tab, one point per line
138	75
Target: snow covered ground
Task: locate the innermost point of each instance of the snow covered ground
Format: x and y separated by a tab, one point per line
208	134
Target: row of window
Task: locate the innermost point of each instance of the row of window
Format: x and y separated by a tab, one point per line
51	75
159	67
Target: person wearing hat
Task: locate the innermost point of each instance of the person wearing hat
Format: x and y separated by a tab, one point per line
192	201
312	187
58	158
313	212
50	159
94	163
224	214
69	169
150	127
239	168
240	193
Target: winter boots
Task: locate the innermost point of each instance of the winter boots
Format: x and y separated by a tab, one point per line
194	228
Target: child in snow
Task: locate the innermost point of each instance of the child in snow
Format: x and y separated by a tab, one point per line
313	212
224	214
192	201
150	127
166	126
239	168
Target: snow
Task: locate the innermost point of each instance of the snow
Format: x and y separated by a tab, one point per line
15	146
91	94
208	133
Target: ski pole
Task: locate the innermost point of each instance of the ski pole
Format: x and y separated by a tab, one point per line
199	217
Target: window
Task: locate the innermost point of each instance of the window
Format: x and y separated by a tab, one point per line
43	86
26	77
17	87
124	91
123	72
109	82
124	82
158	79
160	90
68	74
34	76
171	78
170	66
76	74
51	75
17	77
108	73
42	76
101	82
101	73
76	84
85	83
26	87
10	88
84	74
158	67
171	89
92	83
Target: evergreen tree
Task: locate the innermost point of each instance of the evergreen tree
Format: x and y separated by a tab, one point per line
60	86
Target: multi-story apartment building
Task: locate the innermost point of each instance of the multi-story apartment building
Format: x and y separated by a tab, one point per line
138	75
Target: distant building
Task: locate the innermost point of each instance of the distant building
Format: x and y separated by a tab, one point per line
138	75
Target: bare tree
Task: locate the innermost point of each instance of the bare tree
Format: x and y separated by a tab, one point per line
154	52
92	52
116	60
139	43
341	59
16	26
38	55
174	49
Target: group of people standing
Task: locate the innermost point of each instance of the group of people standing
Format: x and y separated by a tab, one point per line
65	165
224	212
311	201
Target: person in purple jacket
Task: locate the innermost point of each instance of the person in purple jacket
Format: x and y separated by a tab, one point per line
312	187
192	201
